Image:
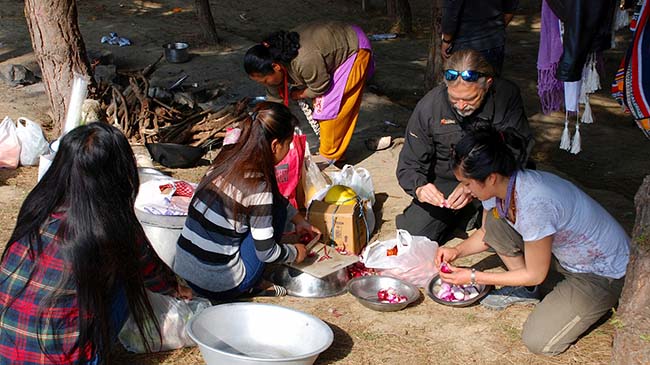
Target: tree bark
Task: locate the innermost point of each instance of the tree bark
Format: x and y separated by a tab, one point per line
59	49
403	19
391	10
632	319
208	29
433	72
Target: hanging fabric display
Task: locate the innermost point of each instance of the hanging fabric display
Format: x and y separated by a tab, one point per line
571	98
631	87
550	89
621	20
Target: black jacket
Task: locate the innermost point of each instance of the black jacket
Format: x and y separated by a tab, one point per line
587	28
434	127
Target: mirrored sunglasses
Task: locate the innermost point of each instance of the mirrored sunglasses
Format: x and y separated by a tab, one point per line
467	75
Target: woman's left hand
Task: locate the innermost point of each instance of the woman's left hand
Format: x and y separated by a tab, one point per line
458	276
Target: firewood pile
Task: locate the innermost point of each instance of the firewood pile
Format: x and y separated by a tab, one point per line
146	119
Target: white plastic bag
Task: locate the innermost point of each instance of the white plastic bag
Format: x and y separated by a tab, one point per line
358	179
172	315
313	183
9	144
32	141
77	97
406	257
45	161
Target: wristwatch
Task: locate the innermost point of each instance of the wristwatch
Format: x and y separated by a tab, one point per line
472	277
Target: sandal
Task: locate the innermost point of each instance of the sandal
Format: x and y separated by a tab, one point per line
270	291
273	291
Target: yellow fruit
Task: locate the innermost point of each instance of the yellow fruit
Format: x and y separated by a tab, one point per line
340	195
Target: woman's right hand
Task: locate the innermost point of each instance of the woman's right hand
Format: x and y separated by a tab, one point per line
446	254
302	253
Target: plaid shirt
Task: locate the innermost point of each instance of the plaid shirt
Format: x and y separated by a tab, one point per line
59	329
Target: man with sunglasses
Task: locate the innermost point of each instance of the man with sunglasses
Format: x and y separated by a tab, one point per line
470	97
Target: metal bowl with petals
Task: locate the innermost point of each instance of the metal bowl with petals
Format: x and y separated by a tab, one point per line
434	286
366	288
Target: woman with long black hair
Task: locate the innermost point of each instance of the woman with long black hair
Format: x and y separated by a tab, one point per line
237	215
78	261
555	241
328	62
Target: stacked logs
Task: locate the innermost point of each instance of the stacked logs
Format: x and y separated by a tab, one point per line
147	119
206	127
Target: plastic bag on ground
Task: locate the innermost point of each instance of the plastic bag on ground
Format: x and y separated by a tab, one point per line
358	179
172	315
410	258
32	141
313	182
9	144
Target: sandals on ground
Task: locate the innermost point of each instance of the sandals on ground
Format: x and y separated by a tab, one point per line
272	291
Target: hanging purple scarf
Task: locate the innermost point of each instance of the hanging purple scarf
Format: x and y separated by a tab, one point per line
549	89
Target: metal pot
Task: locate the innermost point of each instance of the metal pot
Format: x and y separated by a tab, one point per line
177	52
301	284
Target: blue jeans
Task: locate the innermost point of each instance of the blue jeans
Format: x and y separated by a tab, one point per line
254	268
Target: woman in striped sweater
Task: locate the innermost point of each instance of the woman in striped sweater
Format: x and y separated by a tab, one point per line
237	215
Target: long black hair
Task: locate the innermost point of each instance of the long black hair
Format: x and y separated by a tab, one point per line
250	161
279	47
93	182
485	150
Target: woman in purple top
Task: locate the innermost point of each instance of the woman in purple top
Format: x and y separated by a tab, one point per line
328	62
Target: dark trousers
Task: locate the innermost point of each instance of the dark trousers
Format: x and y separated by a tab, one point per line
495	57
438	224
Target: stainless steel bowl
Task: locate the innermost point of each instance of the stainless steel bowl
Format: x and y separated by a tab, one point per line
365	289
432	290
257	333
300	284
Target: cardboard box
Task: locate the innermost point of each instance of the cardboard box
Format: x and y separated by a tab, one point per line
344	224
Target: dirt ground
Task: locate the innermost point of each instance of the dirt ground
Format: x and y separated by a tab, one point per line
610	167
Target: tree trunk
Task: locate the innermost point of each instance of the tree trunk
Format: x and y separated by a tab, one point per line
403	20
59	49
433	72
632	319
391	10
208	30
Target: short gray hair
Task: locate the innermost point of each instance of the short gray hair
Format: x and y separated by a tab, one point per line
469	59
